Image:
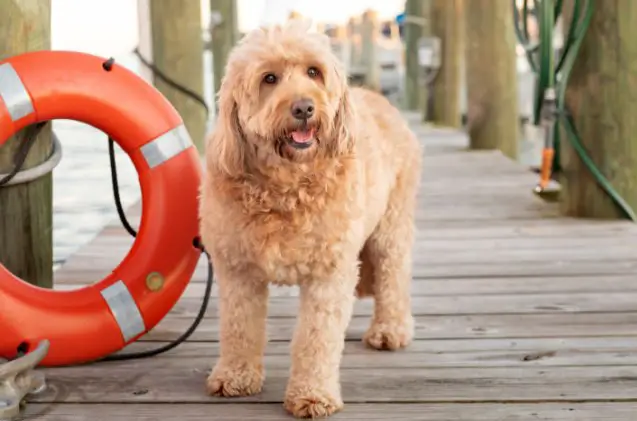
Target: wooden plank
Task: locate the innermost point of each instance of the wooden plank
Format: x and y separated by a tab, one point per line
619	302
559	325
110	256
436	249
525	237
480	212
571	229
607	411
435	353
430	240
461	286
137	382
459	304
453	210
497	262
485	269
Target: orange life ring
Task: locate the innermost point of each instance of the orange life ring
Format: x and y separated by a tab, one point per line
90	323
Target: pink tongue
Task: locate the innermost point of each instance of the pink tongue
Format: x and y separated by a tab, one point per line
302	137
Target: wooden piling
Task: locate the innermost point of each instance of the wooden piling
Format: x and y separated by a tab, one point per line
369	49
224	34
416	16
600	98
354	36
447	24
177	50
26	210
342	46
492	95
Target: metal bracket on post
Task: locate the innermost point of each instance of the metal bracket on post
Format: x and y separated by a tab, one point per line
18	380
429	58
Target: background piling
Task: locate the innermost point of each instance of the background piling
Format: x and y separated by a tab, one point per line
370	30
416	18
492	94
600	97
224	35
177	51
26	210
447	24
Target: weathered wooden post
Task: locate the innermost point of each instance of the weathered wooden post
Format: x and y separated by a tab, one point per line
341	45
600	98
369	49
26	210
354	36
224	34
492	94
177	51
447	24
416	20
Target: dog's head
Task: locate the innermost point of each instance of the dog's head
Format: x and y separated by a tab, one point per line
284	100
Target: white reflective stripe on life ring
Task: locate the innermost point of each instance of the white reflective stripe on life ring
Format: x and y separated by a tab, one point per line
124	309
166	146
14	94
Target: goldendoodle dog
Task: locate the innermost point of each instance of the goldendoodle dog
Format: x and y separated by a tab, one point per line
308	182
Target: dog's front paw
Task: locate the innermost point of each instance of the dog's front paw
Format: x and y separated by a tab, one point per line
241	379
390	334
308	402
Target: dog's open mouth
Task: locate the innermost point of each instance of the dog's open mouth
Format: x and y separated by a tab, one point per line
301	138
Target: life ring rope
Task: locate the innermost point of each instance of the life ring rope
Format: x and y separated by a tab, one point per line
133	233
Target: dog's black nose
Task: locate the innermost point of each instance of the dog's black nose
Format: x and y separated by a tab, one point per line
302	109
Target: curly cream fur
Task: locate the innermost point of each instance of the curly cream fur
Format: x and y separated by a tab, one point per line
336	219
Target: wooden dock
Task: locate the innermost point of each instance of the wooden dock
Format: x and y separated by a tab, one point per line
521	315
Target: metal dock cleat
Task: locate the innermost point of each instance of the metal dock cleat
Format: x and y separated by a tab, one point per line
17	380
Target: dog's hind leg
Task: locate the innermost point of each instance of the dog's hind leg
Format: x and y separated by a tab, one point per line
389	254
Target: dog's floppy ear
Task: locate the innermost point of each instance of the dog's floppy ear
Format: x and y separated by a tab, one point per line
344	122
227	145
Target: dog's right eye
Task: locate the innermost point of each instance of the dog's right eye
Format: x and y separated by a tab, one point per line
270	78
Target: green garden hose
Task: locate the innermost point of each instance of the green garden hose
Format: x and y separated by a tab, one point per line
553	78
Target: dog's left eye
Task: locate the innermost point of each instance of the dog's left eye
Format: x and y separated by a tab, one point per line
270	78
312	72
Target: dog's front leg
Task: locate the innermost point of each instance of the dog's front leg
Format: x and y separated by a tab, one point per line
326	306
242	313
